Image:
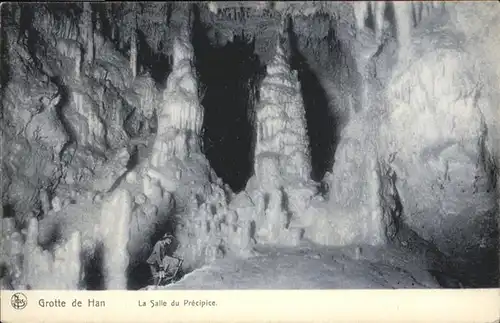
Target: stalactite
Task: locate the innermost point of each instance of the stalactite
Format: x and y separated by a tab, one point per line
133	45
360	12
78	64
133	55
403	22
89	32
378	14
420	11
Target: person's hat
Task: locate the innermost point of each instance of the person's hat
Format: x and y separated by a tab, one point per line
168	236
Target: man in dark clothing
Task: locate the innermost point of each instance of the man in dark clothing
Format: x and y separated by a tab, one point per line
159	259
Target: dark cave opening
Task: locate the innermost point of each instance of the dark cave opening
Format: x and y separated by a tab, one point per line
138	271
231	75
5	71
139	275
155	61
8	211
93	269
370	19
322	125
479	266
484	272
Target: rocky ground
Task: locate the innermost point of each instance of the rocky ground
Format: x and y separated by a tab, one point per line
309	266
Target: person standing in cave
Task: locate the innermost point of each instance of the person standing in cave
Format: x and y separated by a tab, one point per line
160	262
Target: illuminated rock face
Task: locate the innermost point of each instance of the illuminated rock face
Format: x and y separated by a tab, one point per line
35	268
281	125
114	233
180	115
445	173
281	181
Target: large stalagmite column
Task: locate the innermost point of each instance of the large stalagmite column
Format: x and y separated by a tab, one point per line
115	225
282	162
281	124
180	118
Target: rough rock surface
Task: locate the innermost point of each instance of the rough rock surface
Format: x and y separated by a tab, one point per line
115	222
310	267
281	124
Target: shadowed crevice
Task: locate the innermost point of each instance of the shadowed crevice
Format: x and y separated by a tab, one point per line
231	77
321	123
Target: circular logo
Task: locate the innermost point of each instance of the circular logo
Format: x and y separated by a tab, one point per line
19	301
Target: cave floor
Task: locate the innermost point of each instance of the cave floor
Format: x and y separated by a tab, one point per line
310	266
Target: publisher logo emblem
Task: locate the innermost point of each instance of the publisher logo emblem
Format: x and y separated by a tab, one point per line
19	301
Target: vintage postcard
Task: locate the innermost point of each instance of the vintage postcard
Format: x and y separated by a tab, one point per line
250	161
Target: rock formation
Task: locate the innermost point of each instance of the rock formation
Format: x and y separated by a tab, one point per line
32	267
282	163
180	117
281	125
115	228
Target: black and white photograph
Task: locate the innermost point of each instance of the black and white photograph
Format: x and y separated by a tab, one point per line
250	145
